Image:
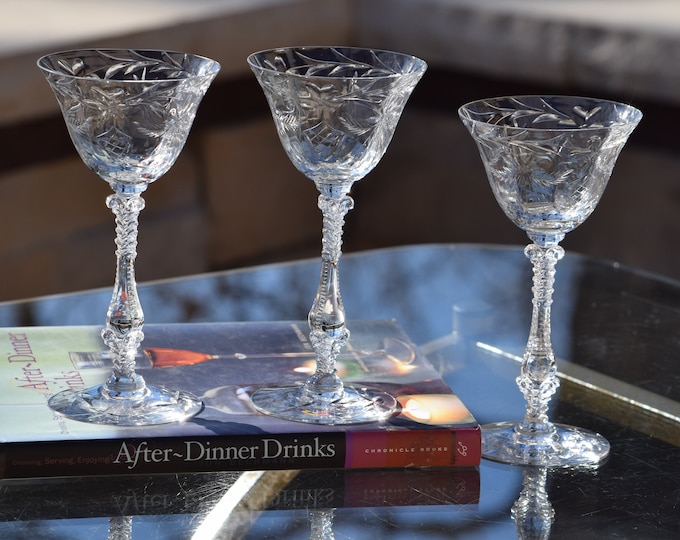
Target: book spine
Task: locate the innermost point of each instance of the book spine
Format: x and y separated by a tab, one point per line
459	447
363	449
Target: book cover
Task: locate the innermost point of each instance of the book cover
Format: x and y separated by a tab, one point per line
223	363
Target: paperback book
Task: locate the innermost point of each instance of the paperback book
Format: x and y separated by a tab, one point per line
223	363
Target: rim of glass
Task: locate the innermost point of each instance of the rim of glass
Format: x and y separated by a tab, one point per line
215	64
463	110
421	63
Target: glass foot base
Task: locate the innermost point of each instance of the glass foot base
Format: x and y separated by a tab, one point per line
567	446
158	406
356	406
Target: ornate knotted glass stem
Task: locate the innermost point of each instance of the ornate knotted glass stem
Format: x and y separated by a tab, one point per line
538	379
125	318
548	160
324	398
125	398
328	332
536	440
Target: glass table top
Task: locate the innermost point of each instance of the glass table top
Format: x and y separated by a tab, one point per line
468	307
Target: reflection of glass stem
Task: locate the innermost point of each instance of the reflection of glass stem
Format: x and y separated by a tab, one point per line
532	512
124	320
120	528
321	522
538	378
326	318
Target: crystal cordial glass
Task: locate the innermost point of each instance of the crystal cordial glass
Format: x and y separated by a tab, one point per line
128	113
548	160
335	109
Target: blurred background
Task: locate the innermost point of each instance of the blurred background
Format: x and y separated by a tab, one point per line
233	199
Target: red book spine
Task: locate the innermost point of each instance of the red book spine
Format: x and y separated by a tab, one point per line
413	448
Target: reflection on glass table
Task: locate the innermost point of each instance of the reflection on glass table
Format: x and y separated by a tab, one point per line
468	309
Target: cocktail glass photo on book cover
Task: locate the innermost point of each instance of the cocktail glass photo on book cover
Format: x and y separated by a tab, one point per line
224	364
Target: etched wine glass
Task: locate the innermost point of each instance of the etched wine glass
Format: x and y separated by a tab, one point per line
335	110
128	113
548	160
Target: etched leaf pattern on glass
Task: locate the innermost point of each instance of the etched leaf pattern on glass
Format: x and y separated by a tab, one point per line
338	114
548	163
128	113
